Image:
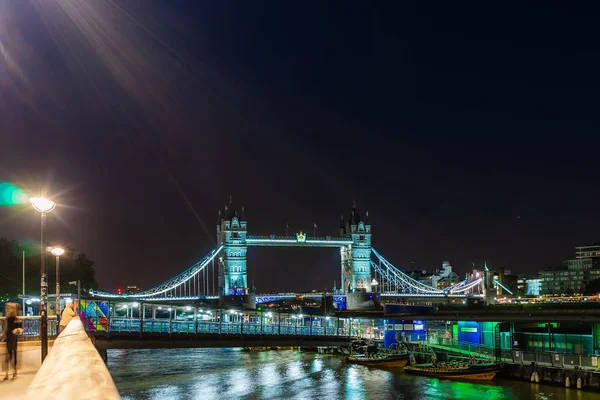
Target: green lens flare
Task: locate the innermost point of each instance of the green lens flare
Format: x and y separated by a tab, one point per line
11	195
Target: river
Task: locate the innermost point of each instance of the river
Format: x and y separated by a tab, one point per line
233	374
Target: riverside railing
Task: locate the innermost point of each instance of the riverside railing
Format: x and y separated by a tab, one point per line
526	357
166	326
31	326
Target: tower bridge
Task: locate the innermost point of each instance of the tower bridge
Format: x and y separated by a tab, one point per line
364	273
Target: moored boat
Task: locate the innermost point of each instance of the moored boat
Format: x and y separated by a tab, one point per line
388	361
476	372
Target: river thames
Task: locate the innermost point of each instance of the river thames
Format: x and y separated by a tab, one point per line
234	374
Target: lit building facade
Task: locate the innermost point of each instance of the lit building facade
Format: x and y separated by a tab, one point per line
591	252
573	277
567	282
534	286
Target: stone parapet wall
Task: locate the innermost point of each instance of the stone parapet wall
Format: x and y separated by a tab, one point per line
73	370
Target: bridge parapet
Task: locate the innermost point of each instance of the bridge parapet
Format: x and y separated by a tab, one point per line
73	351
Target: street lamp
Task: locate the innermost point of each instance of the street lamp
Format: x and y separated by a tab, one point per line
43	206
57	252
374	283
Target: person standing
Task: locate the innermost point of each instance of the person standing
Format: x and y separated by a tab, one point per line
11	329
67	315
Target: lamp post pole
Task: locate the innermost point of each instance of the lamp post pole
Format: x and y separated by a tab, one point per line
43	292
57	251
43	206
24	283
57	304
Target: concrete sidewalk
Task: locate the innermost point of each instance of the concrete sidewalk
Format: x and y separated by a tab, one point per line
14	389
29	361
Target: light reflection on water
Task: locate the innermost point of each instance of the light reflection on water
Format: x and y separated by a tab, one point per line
233	374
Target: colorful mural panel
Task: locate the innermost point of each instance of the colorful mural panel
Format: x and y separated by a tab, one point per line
94	315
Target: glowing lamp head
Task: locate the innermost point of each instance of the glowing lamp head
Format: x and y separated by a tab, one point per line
57	251
41	204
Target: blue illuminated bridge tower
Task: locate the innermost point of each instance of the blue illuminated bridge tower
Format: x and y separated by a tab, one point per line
356	256
232	234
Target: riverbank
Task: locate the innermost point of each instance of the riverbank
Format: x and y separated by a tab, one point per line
583	379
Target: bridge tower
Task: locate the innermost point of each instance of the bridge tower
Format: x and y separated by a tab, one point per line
231	233
356	258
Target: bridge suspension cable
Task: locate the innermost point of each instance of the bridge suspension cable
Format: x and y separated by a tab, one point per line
469	286
191	283
502	286
393	280
400	281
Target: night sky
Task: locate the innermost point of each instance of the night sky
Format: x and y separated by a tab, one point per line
467	132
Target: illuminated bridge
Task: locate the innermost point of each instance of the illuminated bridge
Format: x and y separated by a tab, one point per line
220	278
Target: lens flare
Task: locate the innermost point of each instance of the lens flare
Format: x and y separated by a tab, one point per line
11	195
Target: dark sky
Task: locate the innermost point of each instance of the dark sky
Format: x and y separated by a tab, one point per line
468	132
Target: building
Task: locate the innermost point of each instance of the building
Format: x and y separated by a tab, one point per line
440	278
131	289
591	252
533	286
521	285
567	282
573	276
509	284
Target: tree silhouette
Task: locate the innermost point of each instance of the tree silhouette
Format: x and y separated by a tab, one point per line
73	267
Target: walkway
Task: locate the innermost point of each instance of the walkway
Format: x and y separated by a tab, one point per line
29	357
14	389
512	356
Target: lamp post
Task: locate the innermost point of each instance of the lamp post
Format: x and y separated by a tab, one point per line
78	284
374	284
57	252
43	206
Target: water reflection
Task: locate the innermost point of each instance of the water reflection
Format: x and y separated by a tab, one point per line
233	374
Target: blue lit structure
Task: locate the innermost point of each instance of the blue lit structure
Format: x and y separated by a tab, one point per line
354	243
403	331
232	234
356	256
361	267
469	331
